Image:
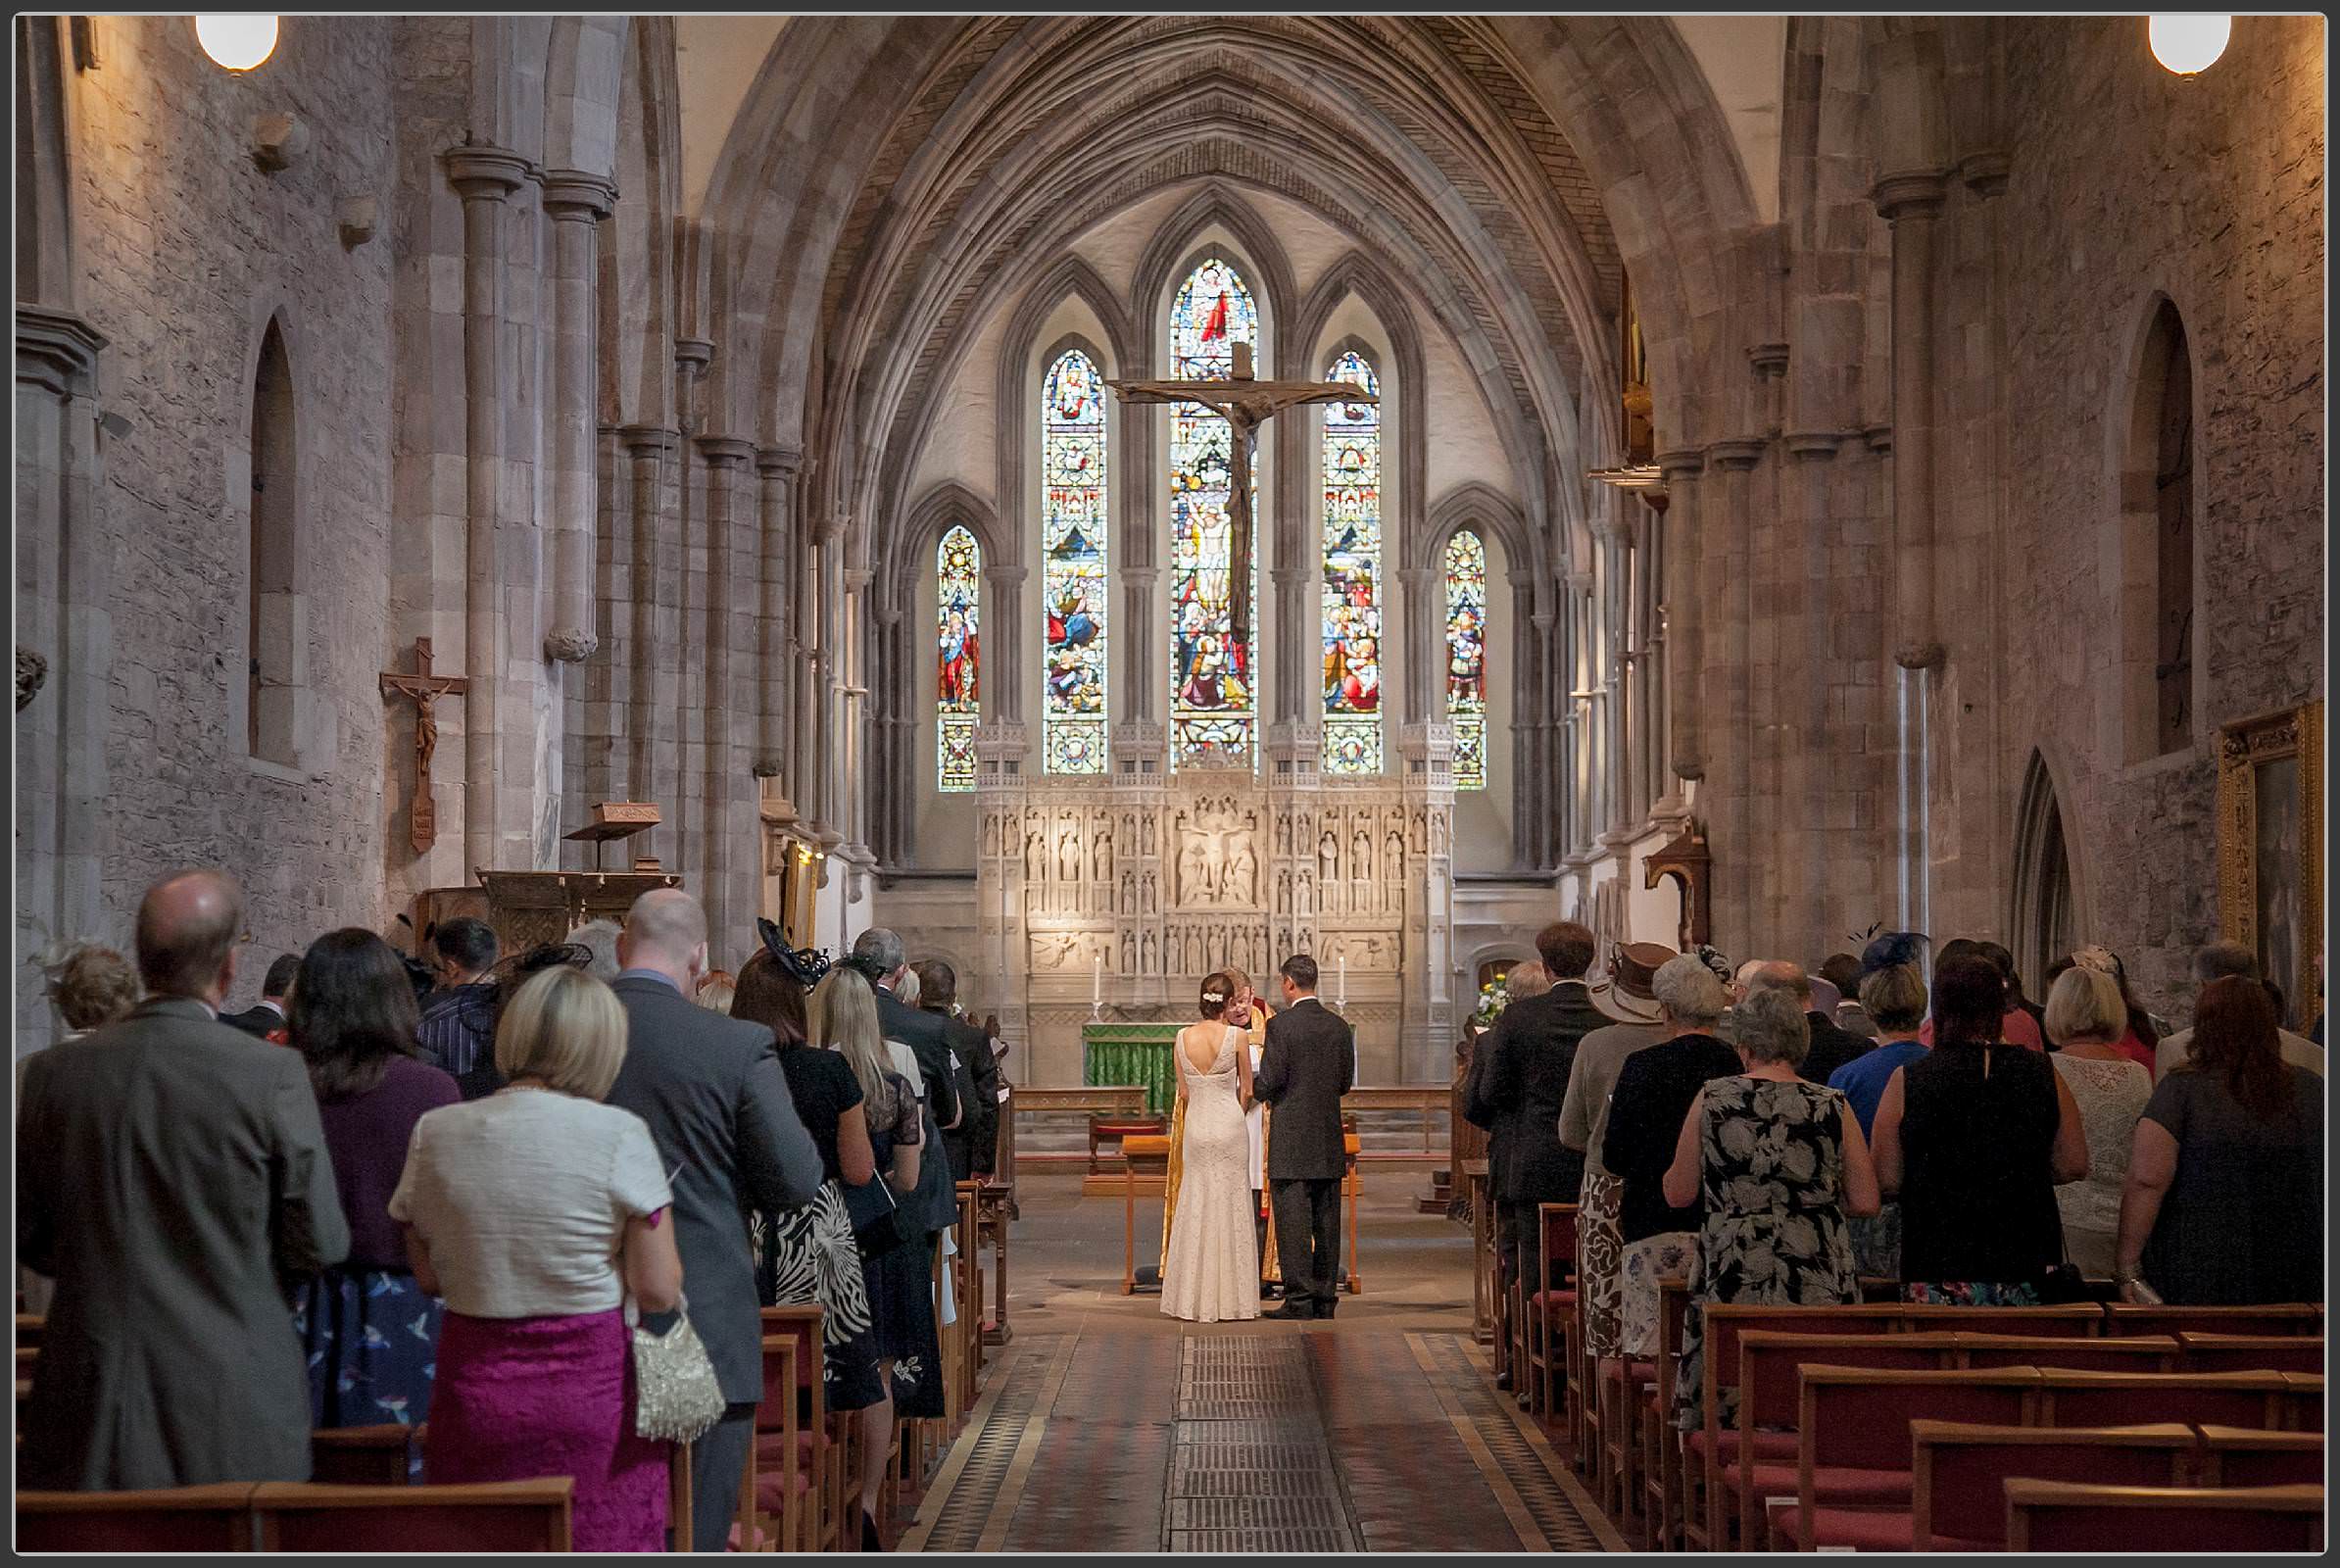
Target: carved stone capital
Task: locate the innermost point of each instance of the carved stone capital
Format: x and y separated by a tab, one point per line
485	173
784	463
765	767
278	141
725	451
1769	359
570	646
695	352
1681	462
1004	575
1917	193
1805	444
55	349
1737	454
1880	438
1984	173
1921	656
573	196
647	440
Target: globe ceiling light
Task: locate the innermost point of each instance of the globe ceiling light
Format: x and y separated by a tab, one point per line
237	43
2188	45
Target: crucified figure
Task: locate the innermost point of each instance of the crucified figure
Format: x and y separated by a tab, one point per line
1245	404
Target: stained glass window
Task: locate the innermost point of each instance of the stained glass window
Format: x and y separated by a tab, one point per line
959	658
1073	527
1211	707
1353	611
1466	657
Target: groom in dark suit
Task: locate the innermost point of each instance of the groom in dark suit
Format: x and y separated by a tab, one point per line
1303	1071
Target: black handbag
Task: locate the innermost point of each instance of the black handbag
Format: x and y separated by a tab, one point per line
879	1224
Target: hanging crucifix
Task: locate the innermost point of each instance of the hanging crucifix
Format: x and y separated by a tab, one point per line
1245	404
423	689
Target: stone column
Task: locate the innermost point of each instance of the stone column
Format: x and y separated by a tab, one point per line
1614	580
576	203
646	447
729	833
1820	762
1004	642
829	703
1686	587
1727	671
485	177
776	469
1548	747
1910	203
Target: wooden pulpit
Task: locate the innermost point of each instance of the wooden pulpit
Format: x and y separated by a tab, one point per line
528	908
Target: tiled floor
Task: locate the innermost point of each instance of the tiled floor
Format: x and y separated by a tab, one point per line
1105	1426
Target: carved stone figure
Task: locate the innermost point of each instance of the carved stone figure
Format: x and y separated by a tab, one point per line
1360	849
1328	855
1242	872
1101	866
1035	858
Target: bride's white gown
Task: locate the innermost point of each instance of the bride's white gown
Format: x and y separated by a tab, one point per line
1212	1272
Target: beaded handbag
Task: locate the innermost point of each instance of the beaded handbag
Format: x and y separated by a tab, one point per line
676	1398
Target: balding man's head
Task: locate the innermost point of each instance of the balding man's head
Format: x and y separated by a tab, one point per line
187	930
1777	974
666	931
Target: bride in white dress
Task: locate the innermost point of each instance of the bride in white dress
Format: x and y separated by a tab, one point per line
1212	1272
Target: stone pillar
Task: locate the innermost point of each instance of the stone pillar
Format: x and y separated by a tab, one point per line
1727	671
576	203
646	447
1686	587
1614	582
1004	639
730	831
1911	202
1552	815
829	705
485	177
1822	762
65	650
776	469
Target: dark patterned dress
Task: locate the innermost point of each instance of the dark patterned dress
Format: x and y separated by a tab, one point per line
1770	1180
808	1255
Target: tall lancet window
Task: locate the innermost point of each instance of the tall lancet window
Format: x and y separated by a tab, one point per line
1466	657
1212	709
1352	582
958	658
1072	547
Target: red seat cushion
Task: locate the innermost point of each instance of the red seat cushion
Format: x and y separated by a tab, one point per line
1864	1530
1839	1483
770	1490
1553	1298
1768	1446
1641	1372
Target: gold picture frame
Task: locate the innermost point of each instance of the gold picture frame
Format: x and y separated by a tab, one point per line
2271	847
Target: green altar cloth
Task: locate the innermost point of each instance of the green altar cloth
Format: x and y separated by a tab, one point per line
1132	1053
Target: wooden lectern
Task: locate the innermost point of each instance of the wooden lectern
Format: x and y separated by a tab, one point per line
529	908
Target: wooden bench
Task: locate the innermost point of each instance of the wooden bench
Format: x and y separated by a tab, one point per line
214	1518
1544	1320
490	1516
2244	1456
381	1455
2294	1319
1427	1100
2070	1516
2248	1353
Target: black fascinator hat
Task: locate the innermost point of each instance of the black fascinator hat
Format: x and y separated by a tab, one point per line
805	965
1890	948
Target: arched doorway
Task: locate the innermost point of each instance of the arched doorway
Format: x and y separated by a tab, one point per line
2045	922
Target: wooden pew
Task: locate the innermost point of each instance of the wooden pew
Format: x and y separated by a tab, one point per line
2243	1457
2069	1516
1663	1501
2268	1400
784	1494
215	1518
2141	1353
1546	1318
2248	1353
1853	1445
380	1455
490	1516
995	1206
31	1327
1959	1471
2296	1319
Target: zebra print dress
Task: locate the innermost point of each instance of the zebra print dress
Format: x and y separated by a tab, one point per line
808	1256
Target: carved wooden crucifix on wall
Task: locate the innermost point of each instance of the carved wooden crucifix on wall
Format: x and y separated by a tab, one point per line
1245	404
423	689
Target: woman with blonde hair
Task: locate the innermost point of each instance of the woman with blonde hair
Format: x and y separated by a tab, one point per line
2086	1017
538	1214
844	1018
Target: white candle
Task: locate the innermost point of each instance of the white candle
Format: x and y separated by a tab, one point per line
1344	996
1096	979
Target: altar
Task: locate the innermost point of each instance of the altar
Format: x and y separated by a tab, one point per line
1133	1054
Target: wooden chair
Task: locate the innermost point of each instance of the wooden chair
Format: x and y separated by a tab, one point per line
2266	1399
1853	1443
380	1455
2248	1353
797	1479
2295	1320
2070	1516
1545	1320
2243	1457
215	1518
1661	1498
1958	1500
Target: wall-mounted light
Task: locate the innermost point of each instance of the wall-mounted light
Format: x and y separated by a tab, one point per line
237	43
2188	45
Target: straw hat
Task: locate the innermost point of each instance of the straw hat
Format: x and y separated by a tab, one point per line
1625	992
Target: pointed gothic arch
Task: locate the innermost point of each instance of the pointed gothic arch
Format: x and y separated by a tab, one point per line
2045	920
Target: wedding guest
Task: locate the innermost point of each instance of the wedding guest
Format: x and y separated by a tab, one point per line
2004	961
599	938
711	1090
809	1254
458	1022
894	1259
1777	1166
535	1213
2015	1024
172	1151
2215	963
1830	1047
2084	1016
2223	1203
1843	971
716	989
1655	1089
91	987
266	1017
1974	1139
370	1331
1895	997
2140	1036
975	1073
1626	997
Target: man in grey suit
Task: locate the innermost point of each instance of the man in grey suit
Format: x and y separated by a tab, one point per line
711	1088
1304	1069
172	1176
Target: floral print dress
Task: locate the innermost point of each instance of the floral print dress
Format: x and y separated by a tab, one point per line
1770	1180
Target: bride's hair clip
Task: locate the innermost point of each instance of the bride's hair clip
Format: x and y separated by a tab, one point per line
1214	996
